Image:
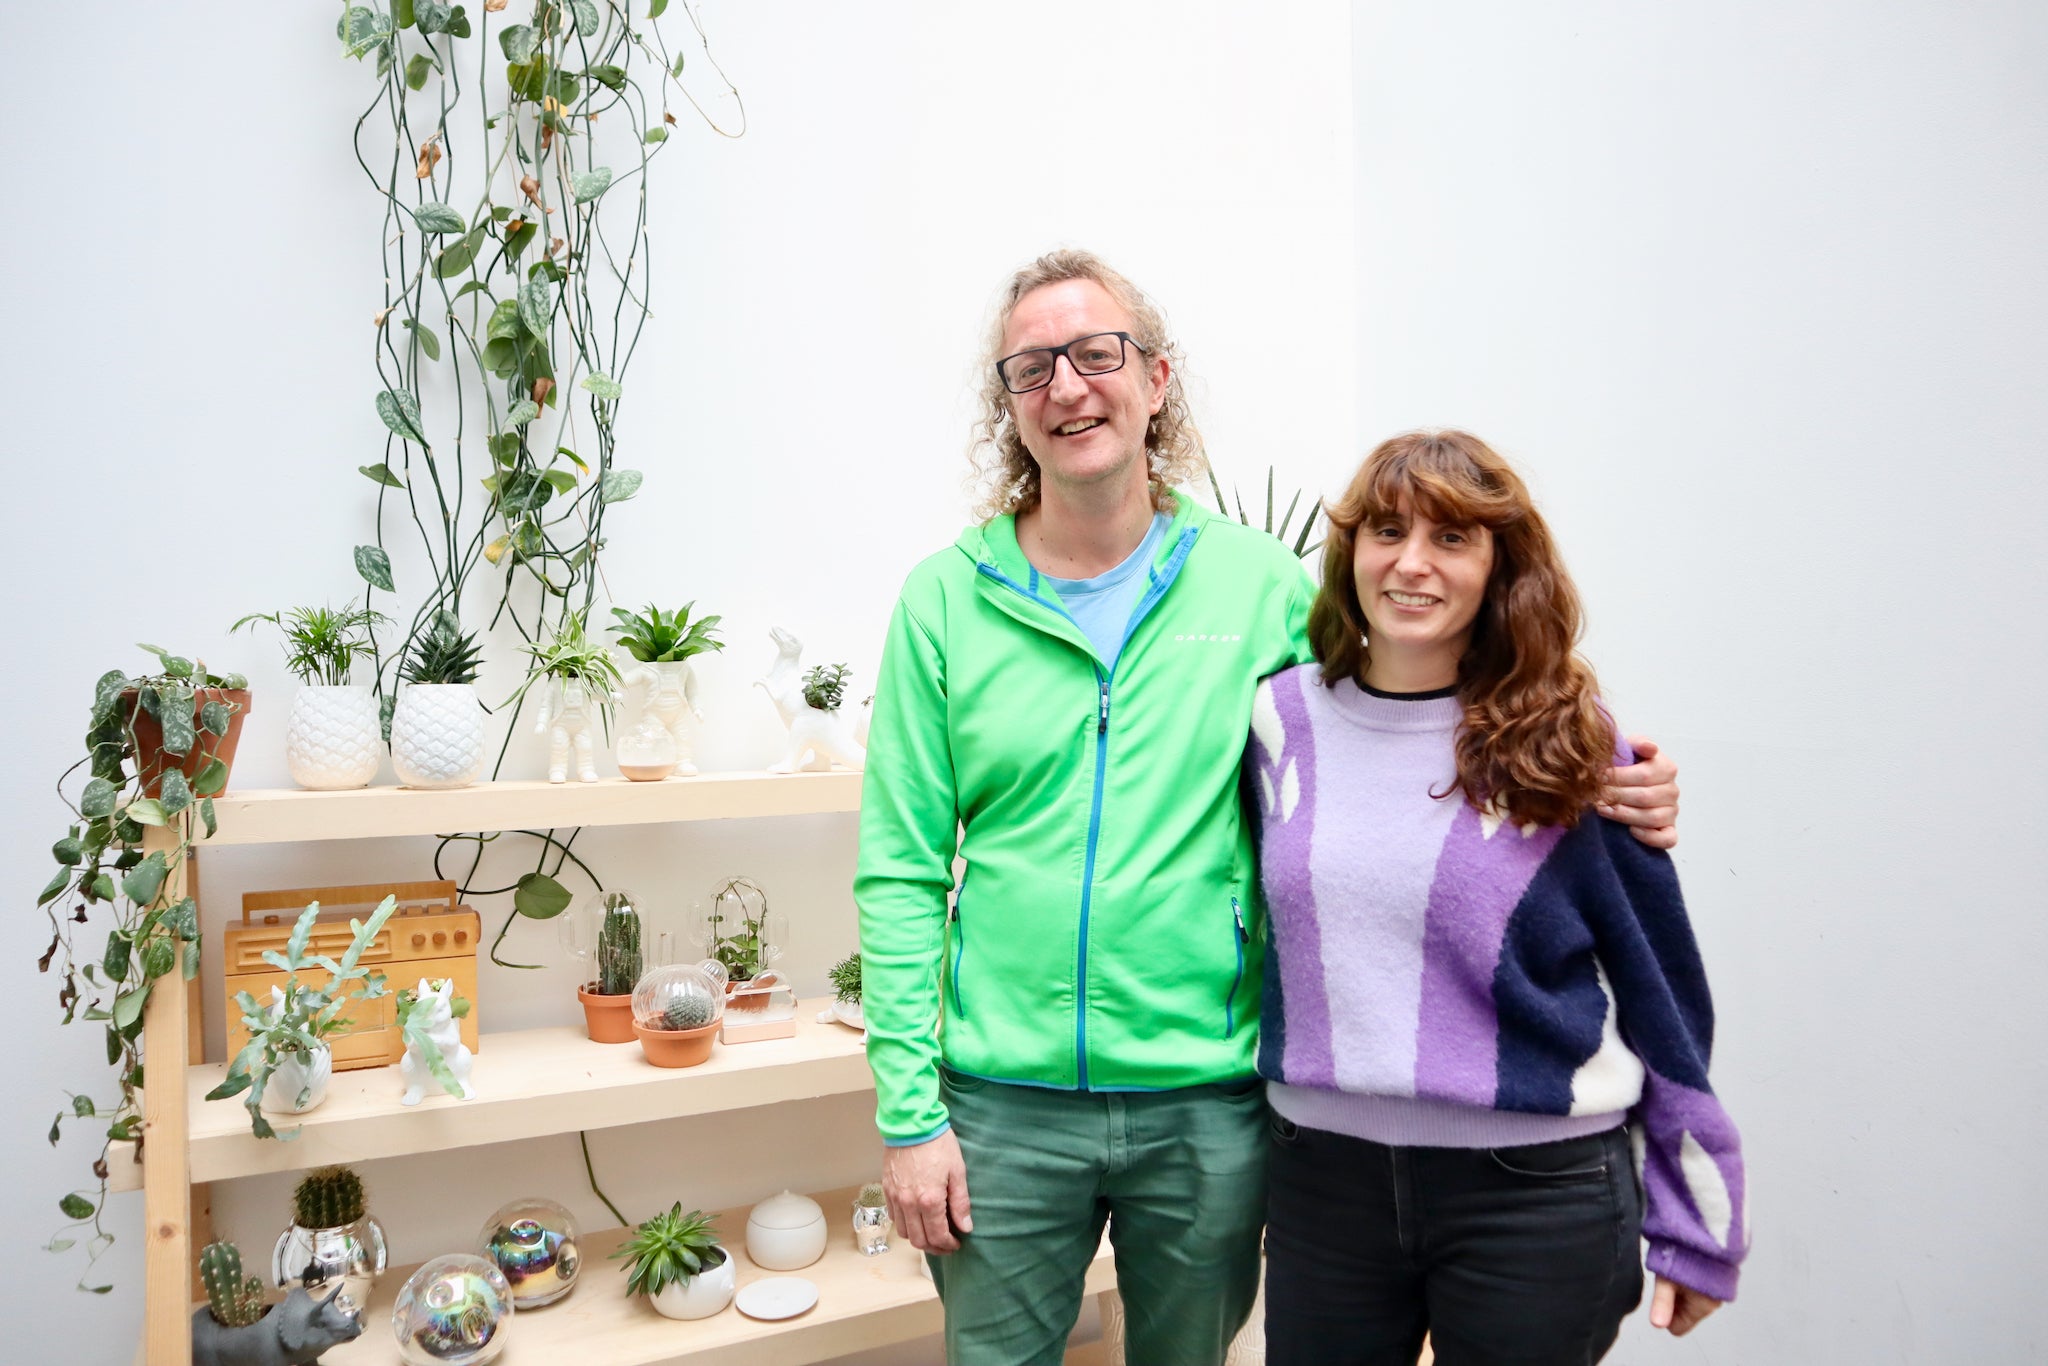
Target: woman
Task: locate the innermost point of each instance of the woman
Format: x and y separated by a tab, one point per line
1475	990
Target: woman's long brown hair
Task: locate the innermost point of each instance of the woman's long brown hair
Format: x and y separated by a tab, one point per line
1535	742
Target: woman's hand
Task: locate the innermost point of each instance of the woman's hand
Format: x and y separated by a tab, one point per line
1644	795
1679	1308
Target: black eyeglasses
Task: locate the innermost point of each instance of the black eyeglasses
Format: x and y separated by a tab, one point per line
1099	354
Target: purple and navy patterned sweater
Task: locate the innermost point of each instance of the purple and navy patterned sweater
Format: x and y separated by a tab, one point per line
1435	976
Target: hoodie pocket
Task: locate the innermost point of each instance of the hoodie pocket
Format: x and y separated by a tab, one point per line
1239	937
959	929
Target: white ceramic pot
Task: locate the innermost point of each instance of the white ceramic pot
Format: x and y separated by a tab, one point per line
786	1232
299	1081
331	740
703	1295
437	735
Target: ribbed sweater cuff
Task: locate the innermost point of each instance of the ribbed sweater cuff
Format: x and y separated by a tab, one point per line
1690	1269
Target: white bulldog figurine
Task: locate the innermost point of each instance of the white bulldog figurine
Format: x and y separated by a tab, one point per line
432	1019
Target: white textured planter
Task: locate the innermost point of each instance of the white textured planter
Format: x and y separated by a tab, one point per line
703	1295
331	740
437	735
299	1081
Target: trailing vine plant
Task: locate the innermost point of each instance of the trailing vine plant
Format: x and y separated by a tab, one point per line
517	267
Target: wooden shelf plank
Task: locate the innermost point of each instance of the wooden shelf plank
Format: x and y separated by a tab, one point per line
863	1302
264	816
522	1078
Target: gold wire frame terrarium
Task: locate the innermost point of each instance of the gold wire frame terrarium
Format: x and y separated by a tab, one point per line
736	927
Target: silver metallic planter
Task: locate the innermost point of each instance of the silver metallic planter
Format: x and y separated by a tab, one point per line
871	1229
346	1260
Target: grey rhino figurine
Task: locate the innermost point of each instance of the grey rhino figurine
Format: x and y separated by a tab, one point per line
293	1333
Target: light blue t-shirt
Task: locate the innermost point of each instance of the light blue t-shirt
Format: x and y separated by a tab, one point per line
1102	606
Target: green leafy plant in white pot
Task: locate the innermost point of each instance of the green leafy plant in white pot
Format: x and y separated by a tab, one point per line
287	1063
437	729
333	738
675	1260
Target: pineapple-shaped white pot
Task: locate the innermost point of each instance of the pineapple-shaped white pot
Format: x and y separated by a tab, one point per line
332	738
437	730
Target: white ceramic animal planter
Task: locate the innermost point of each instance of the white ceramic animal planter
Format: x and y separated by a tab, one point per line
817	739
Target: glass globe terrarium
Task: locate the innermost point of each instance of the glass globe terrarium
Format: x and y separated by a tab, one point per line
534	1242
648	753
676	1013
452	1312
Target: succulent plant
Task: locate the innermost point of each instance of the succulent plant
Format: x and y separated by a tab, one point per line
872	1197
618	946
825	686
443	653
328	1198
669	1249
689	1011
234	1301
656	637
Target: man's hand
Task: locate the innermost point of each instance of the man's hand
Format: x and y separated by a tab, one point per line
1679	1308
925	1183
1644	796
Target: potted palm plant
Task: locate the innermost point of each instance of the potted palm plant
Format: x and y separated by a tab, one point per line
332	737
675	1260
287	1063
437	729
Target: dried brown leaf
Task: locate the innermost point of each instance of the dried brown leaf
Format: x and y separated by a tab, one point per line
530	187
430	156
540	389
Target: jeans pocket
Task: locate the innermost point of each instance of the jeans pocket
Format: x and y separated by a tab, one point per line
1570	1159
960	1082
1285	1131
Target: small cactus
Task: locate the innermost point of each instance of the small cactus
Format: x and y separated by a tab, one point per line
618	946
687	1012
328	1198
233	1301
871	1196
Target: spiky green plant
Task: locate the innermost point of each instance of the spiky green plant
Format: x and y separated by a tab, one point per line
687	1012
322	643
669	1249
443	653
328	1198
1300	546
658	637
233	1301
844	976
618	946
872	1197
825	686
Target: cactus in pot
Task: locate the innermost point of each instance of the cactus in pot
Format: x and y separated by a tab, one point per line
608	935
333	1245
618	946
235	1302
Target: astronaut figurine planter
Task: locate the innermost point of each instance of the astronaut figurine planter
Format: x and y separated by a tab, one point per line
661	644
576	676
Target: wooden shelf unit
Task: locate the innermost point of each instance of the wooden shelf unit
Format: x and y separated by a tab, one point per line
522	1077
863	1302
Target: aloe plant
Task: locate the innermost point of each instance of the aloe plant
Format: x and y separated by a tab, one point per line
1300	546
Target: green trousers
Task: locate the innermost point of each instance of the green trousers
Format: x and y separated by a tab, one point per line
1178	1176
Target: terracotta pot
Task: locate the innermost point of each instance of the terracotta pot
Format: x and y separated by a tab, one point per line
677	1047
608	1018
150	759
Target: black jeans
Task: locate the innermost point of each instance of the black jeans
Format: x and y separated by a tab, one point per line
1527	1255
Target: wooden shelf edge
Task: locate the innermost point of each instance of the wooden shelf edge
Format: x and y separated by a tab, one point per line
273	816
521	1078
863	1302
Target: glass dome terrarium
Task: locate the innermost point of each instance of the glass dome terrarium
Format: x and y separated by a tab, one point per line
677	1012
614	939
737	928
534	1241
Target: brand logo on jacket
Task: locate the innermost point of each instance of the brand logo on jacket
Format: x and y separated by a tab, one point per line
1216	637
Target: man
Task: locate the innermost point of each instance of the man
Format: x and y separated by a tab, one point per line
1063	703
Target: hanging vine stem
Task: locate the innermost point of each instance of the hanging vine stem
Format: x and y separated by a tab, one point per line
556	311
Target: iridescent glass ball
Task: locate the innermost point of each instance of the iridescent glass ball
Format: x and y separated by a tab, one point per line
452	1312
534	1242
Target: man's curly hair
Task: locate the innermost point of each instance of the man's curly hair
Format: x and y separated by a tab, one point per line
1005	477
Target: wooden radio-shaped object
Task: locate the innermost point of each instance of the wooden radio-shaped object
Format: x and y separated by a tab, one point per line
429	936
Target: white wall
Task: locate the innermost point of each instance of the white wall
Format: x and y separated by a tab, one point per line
187	338
1756	293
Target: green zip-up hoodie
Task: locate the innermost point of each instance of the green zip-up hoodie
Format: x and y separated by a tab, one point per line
1106	934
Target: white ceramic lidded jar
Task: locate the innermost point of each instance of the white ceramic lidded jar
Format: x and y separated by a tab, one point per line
786	1232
